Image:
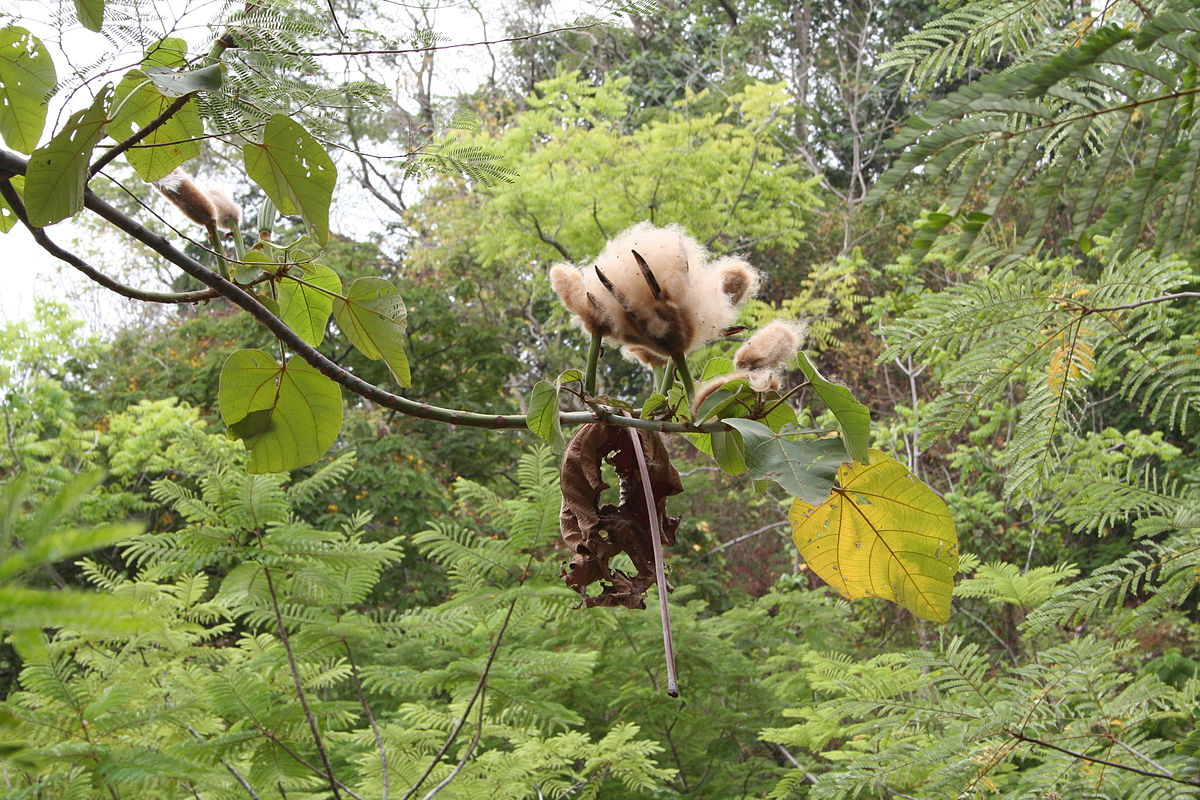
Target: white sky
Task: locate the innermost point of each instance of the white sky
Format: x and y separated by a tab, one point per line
27	271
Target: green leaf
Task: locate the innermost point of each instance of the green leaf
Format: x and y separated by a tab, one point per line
804	469
653	402
542	418
173	83
8	217
26	82
295	172
306	307
57	173
853	417
374	318
883	533
570	376
137	103
729	451
90	13
287	416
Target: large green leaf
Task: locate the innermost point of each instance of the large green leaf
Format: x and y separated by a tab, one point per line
57	173
8	217
542	417
882	533
287	416
137	103
295	172
374	318
90	13
853	417
306	307
26	82
804	469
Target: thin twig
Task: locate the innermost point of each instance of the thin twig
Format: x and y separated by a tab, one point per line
429	48
660	576
232	771
362	699
744	537
1115	765
479	687
300	693
466	756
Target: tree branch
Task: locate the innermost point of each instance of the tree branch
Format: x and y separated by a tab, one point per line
15	165
9	192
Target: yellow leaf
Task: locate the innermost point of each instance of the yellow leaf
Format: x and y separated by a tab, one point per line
881	533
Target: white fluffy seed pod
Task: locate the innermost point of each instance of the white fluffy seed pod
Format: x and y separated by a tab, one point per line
771	347
655	289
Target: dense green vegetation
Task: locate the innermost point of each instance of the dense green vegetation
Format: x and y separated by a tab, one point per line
296	534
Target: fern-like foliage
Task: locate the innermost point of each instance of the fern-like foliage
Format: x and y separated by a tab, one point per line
1091	122
1046	332
947	723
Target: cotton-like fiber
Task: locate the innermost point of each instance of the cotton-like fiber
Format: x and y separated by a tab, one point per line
771	347
196	203
672	302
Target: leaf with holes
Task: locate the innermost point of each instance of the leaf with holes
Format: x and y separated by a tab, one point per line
882	533
852	416
137	103
8	217
26	82
305	302
373	317
804	469
287	415
57	173
295	172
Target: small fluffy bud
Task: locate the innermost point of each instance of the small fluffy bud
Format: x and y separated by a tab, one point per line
775	344
178	187
738	279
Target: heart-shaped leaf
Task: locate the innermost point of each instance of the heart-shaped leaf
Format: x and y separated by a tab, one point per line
26	82
295	172
804	469
882	533
373	317
306	301
57	173
287	415
853	417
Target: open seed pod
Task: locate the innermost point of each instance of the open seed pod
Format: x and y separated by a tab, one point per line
595	533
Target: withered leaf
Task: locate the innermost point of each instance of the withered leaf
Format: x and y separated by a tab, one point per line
595	533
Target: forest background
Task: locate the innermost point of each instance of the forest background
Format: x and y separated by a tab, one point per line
986	213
